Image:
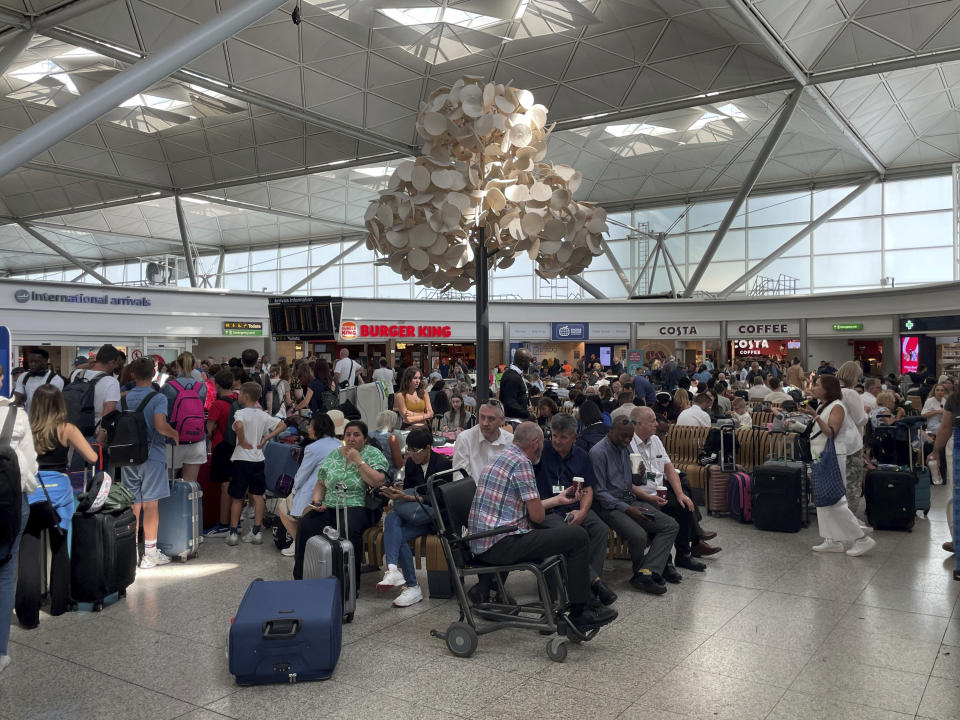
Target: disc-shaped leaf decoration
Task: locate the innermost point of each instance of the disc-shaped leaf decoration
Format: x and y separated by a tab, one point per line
483	164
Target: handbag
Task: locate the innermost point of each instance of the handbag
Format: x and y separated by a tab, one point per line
43	514
828	487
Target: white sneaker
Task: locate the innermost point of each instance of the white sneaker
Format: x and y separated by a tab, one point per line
391	579
152	559
4	661
829	545
232	539
289	551
252	537
409	596
861	546
865	528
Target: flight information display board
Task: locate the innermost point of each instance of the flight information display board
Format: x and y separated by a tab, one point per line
305	318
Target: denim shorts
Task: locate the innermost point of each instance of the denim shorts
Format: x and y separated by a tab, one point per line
148	481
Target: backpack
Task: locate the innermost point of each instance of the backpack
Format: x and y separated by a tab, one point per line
211	393
187	413
78	396
229	434
11	496
128	442
738	492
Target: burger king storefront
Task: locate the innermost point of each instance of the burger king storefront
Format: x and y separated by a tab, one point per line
405	343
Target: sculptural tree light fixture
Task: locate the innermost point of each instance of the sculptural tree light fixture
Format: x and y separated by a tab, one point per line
483	166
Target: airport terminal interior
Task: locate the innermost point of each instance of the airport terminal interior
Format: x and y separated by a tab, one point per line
703	220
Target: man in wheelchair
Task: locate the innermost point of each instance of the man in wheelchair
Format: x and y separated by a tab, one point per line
507	495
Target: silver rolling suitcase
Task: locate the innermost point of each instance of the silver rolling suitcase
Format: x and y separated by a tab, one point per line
331	554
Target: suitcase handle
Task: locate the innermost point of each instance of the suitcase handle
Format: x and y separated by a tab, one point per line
280	628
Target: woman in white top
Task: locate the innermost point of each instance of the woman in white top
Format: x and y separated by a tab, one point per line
22	443
837	524
933	413
849	375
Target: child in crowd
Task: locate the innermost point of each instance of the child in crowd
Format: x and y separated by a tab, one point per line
253	428
740	412
220	448
149	482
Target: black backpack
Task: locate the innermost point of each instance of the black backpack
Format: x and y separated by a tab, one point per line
11	496
128	442
79	398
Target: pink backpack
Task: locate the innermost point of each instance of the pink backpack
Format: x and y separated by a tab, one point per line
187	414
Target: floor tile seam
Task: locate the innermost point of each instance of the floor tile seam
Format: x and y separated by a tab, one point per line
739	677
868	663
103	672
819	694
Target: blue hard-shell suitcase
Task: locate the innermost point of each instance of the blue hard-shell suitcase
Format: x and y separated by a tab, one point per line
181	520
287	631
280	467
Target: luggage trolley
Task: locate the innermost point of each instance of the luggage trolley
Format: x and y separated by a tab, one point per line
549	613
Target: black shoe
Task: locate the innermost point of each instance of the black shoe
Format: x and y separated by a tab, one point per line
604	594
478	594
658	579
645	582
593	617
690	563
672	575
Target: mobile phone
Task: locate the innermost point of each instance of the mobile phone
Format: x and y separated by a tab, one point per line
568	518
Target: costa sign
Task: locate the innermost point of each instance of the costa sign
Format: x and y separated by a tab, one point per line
678	330
353	331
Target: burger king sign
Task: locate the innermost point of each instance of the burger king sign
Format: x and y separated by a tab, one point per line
348	330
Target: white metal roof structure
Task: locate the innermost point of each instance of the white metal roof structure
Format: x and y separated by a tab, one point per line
283	132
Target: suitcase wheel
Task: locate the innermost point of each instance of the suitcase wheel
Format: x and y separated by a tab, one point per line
97	606
348	618
122	593
557	649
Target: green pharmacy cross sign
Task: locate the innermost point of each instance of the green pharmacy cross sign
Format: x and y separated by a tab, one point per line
909	324
235	328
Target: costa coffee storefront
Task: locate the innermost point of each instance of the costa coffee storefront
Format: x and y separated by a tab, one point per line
405	343
764	339
690	343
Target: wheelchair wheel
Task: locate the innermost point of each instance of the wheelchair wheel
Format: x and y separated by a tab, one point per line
462	639
557	649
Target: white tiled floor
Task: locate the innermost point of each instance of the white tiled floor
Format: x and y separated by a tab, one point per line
771	630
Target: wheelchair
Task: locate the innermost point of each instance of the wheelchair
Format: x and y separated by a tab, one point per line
549	613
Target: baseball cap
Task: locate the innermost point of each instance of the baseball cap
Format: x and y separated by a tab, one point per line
339	421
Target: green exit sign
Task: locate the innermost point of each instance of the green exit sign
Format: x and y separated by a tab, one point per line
238	328
847	326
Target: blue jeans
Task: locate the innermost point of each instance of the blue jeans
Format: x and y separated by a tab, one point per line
8	579
407	521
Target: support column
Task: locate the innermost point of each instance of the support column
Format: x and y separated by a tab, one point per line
804	351
505	353
786	112
328	264
16	43
483	318
588	287
137	78
185	238
63	253
724	346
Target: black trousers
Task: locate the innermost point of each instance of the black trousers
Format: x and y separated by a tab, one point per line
571	541
314	522
29	598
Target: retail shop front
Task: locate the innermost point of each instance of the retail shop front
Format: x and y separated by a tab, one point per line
870	341
764	339
933	342
71	321
405	343
691	343
569	342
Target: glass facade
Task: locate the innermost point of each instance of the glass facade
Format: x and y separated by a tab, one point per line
899	232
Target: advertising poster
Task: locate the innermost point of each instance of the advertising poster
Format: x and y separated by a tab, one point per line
909	354
634	360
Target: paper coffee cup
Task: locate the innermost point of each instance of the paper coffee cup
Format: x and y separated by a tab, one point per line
635	460
661	491
578	482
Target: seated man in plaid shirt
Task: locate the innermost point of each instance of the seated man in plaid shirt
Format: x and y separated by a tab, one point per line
507	495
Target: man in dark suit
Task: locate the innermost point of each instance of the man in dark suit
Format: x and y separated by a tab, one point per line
513	387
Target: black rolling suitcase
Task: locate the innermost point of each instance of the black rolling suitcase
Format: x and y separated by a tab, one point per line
778	495
104	555
890	494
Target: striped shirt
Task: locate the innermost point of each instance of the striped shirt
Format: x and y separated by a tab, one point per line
503	488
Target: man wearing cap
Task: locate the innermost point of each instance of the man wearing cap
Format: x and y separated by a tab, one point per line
476	447
39	373
106	392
